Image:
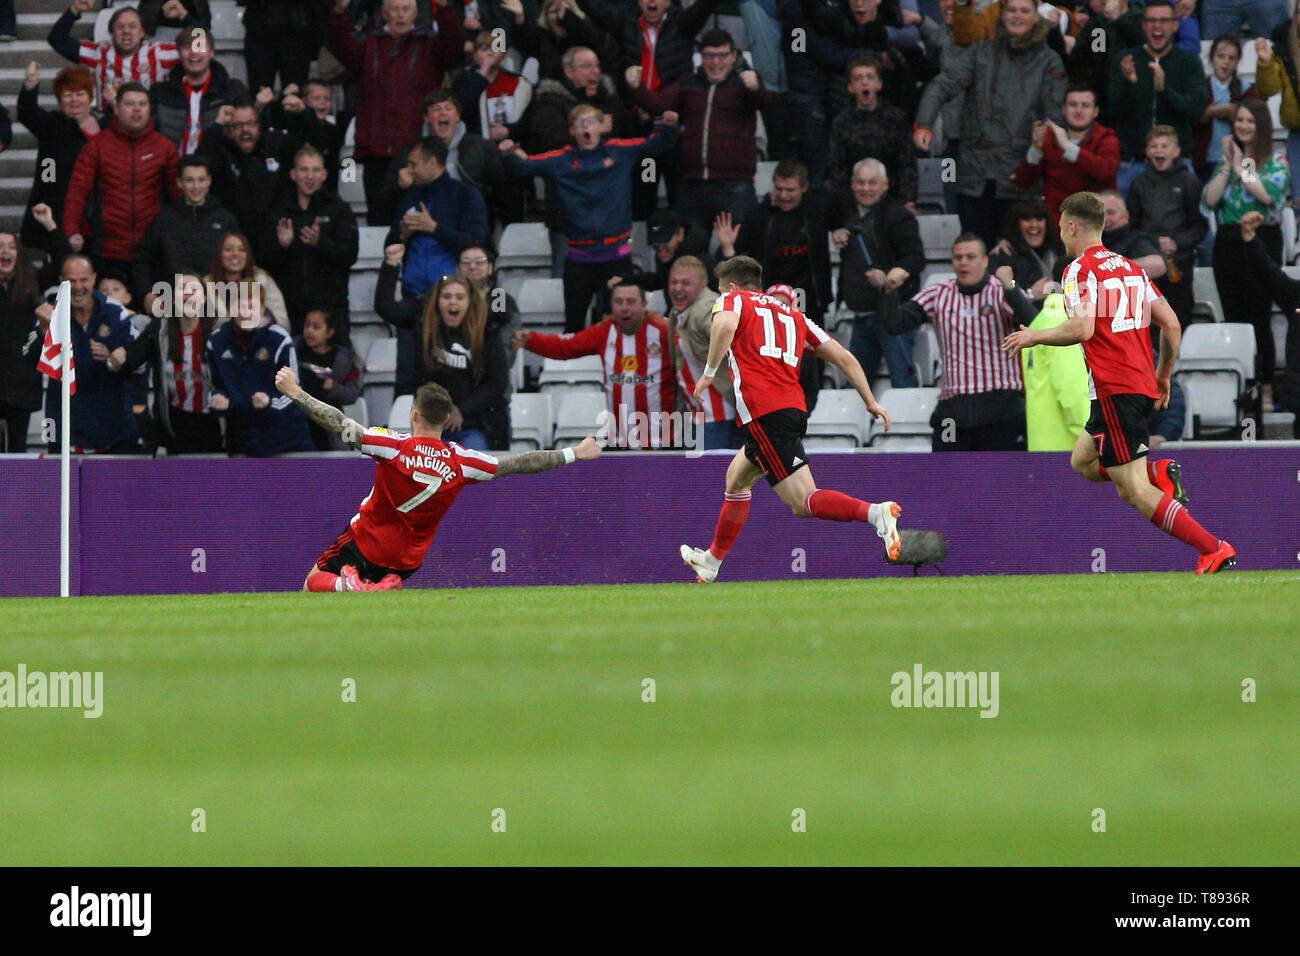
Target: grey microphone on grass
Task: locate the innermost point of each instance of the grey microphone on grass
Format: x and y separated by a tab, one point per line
921	547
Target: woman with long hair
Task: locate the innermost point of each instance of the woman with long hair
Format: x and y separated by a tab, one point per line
234	263
175	345
1251	177
456	349
20	340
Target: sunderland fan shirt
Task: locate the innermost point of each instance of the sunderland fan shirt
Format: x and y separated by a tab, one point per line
766	351
638	369
1119	352
971	329
416	480
149	64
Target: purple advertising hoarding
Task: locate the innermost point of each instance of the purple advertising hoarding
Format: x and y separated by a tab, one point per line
214	525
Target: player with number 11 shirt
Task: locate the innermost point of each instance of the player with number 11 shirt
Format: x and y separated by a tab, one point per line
765	342
1111	304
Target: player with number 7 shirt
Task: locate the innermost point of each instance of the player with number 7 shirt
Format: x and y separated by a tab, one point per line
417	477
765	341
1111	303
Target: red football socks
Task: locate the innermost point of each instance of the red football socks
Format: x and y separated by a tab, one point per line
1172	518
320	580
836	506
735	511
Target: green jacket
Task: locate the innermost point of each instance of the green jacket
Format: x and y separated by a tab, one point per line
1136	107
1056	386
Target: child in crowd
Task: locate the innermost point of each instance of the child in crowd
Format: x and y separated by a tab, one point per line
327	371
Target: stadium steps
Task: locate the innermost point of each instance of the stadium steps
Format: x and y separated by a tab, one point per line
18	163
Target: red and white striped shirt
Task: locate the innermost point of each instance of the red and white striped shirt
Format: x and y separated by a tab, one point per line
416	480
187	374
971	329
766	352
714	407
150	63
639	380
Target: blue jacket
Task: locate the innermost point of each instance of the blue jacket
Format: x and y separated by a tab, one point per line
101	407
461	214
238	374
594	186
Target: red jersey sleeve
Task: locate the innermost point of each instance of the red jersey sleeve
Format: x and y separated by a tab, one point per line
381	443
475	466
590	341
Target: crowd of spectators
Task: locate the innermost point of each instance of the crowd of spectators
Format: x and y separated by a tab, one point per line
212	204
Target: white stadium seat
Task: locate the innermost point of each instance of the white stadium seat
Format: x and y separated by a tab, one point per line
937	235
909	411
525	245
361	290
839	414
378	377
925	355
530	421
1214	365
227	25
541	302
370	247
763	178
577	414
399	416
358	412
1206	291
929	193
586	371
896	443
657	301
933	275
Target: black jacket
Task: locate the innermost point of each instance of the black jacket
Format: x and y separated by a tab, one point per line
58	140
171	107
311	275
477	163
675	47
1027	266
182	238
791	247
249	185
891	238
481	396
20	346
286	16
1169	204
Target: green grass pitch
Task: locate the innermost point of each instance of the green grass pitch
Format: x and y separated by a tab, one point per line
1116	692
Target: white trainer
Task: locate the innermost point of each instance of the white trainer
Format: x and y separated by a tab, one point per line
704	564
886	523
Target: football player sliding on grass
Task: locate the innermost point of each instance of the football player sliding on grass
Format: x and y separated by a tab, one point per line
417	477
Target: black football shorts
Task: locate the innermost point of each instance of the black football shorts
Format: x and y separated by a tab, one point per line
1120	426
774	442
345	551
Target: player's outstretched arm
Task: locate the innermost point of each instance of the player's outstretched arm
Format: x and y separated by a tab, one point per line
326	416
721	332
1078	327
532	462
835	353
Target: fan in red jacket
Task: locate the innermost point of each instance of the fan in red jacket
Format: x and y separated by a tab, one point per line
394	68
1082	157
635	347
130	167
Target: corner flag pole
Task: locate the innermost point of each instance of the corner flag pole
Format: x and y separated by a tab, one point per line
64	304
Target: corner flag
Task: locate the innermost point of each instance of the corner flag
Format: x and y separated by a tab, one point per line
58	336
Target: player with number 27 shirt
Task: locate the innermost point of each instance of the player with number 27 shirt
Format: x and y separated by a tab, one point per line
1111	304
765	341
417	477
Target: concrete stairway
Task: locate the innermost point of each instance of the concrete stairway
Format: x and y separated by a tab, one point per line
18	162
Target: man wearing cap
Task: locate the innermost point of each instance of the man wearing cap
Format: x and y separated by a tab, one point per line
188	101
671	238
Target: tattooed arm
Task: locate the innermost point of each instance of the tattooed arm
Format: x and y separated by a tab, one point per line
531	462
326	416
